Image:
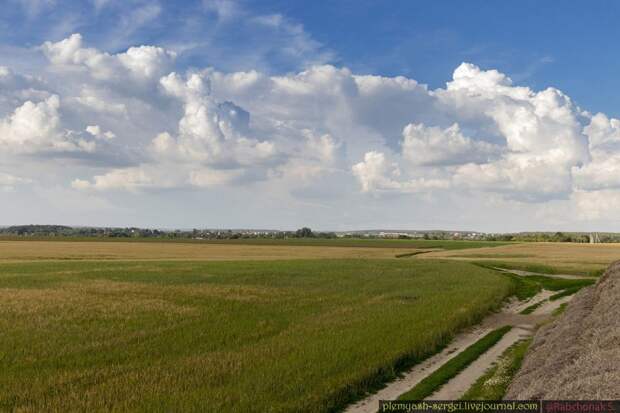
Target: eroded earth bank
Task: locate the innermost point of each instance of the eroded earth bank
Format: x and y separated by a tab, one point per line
577	356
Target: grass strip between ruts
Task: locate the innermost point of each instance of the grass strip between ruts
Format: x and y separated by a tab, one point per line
454	366
492	385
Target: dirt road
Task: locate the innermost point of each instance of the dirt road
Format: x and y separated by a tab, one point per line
524	325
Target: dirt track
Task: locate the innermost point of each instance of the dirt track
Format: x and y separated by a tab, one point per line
509	315
529	273
523	326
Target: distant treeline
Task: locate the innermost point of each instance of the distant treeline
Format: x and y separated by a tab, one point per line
134	232
305	232
554	237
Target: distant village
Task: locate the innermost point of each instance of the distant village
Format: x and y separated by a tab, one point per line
305	232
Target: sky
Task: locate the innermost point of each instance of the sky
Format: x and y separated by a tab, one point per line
338	115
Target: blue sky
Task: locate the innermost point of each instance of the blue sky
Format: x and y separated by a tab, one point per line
534	42
340	114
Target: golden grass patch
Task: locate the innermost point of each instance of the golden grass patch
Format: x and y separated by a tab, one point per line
93	250
560	255
103	297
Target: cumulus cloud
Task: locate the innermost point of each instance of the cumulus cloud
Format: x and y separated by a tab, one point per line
526	145
153	126
209	132
424	145
139	63
98	101
134	179
36	127
377	174
602	130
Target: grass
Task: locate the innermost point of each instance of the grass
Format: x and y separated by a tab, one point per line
566	292
538	268
547	257
411	254
559	310
454	366
294	335
530	309
449	245
101	250
307	242
557	284
526	287
492	385
252	249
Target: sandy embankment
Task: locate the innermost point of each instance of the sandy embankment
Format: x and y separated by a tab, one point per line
578	355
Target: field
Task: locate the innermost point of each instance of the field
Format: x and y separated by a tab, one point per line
306	242
243	326
550	257
93	250
112	249
299	335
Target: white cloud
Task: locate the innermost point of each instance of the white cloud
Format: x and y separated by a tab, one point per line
210	132
533	140
225	9
96	131
94	100
130	179
138	125
36	127
204	178
140	63
424	145
602	131
376	174
147	61
597	205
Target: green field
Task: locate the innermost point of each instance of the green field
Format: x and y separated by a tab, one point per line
279	336
307	242
359	242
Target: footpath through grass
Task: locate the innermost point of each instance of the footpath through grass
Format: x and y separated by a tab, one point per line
525	287
540	268
433	382
528	286
281	336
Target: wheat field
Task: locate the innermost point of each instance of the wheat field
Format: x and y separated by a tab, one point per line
238	336
572	258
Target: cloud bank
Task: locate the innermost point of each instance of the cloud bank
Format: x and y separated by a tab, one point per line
132	121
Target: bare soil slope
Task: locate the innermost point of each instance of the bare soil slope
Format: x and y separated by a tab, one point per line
578	355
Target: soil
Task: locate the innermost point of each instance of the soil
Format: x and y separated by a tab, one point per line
578	355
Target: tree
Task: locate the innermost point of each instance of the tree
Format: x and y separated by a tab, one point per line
304	232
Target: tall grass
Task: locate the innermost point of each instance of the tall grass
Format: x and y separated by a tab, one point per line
526	287
280	336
